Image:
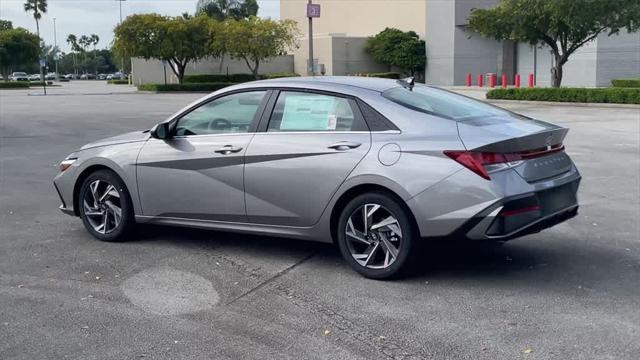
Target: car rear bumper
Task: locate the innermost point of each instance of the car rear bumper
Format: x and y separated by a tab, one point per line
522	215
468	206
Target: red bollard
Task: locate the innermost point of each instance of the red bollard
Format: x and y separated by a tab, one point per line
504	81
517	80
530	82
468	80
492	81
480	80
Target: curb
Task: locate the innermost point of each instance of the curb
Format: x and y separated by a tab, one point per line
554	103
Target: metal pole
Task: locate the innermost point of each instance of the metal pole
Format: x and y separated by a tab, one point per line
535	64
122	63
310	70
55	46
164	67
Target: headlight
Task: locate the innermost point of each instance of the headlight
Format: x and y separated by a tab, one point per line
64	165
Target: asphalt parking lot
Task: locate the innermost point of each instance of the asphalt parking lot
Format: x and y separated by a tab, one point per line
570	292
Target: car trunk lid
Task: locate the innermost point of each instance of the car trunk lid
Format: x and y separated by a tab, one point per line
533	148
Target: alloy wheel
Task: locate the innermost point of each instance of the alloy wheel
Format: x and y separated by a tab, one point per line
374	236
102	206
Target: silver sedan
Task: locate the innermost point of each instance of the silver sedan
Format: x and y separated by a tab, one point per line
373	165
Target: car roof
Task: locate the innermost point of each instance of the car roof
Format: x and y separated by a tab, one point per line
368	83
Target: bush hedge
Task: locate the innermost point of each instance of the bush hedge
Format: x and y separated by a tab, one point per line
218	78
118	82
598	95
233	78
626	83
385	75
278	75
14	85
208	87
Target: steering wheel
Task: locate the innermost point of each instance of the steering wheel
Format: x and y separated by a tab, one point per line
219	124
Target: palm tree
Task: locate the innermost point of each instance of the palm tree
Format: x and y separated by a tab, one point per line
38	7
84	43
73	41
94	39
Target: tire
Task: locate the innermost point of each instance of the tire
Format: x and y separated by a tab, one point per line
108	186
366	252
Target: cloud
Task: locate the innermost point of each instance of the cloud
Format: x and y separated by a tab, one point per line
84	17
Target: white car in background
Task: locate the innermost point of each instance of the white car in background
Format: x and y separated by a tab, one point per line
19	76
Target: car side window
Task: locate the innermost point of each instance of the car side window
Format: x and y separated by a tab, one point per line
299	111
228	114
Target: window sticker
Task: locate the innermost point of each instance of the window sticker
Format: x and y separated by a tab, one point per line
332	122
309	112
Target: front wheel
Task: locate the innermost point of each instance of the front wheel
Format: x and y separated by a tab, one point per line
105	206
376	236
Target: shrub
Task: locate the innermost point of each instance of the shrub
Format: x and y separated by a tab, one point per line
14	85
626	83
599	95
118	82
233	78
218	78
279	75
385	75
208	87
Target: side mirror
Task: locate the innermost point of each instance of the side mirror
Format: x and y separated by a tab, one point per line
160	131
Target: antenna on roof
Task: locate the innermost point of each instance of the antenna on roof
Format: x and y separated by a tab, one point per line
407	83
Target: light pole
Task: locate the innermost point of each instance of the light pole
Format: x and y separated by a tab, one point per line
122	63
313	10
55	48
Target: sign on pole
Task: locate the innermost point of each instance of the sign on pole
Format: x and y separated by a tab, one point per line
43	63
313	10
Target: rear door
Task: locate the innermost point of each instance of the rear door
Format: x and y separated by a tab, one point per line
311	143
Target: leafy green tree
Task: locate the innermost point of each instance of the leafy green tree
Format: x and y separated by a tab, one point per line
17	47
174	39
5	25
563	25
393	47
228	9
255	40
37	7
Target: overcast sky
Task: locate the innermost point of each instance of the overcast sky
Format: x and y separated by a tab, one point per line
84	17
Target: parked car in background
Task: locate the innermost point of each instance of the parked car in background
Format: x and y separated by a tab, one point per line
374	165
19	76
50	76
34	77
70	76
102	76
88	76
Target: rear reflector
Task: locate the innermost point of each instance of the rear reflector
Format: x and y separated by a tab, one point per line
476	161
520	211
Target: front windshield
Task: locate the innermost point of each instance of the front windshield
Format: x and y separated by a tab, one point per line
443	103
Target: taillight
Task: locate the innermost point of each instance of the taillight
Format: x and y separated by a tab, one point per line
483	162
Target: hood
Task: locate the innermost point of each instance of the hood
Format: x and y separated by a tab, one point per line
120	139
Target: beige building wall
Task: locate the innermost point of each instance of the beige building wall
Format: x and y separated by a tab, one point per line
343	27
340	55
358	17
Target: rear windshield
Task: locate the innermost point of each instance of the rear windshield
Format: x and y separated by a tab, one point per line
443	103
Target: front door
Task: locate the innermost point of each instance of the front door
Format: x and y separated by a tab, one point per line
198	173
311	144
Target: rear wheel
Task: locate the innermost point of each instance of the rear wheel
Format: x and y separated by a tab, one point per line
376	236
105	206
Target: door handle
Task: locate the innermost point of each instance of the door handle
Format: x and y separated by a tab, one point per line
344	145
228	149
